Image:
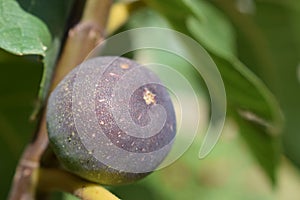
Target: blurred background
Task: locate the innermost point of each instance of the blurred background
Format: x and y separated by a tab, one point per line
256	47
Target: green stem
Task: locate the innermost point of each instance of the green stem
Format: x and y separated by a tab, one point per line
51	180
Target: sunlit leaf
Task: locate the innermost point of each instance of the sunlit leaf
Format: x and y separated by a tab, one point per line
20	32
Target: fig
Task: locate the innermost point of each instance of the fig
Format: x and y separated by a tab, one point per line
111	121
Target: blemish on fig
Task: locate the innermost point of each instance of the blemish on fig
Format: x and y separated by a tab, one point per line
140	116
113	74
124	66
149	97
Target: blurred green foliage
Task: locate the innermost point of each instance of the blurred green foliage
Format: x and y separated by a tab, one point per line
211	28
19	80
268	42
256	46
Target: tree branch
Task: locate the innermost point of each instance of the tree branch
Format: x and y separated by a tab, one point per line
84	37
81	40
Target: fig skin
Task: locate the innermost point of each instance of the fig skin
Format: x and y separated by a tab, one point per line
78	154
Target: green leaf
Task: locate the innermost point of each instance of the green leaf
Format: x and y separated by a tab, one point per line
20	32
55	14
49	64
175	10
270	45
211	28
256	112
250	102
263	146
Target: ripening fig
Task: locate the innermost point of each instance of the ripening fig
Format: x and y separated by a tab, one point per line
111	121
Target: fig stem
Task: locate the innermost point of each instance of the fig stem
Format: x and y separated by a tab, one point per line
50	180
81	40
